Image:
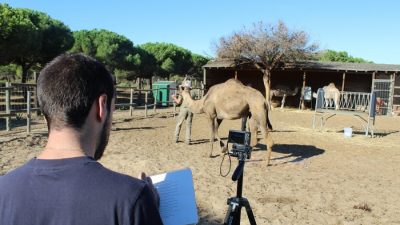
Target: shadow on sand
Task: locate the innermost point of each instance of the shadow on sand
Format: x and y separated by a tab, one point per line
300	152
376	133
135	128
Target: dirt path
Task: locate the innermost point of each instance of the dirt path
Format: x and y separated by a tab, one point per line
315	177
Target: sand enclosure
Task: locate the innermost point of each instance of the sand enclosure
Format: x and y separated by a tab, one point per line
315	177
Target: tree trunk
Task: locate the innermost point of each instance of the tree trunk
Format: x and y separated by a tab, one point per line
267	85
151	82
24	74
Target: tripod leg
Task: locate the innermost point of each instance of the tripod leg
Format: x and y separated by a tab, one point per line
233	215
249	211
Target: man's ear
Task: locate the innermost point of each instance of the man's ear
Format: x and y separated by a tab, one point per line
102	107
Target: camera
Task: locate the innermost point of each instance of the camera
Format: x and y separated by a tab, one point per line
240	141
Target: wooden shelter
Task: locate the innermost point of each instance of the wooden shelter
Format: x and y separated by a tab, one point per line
356	77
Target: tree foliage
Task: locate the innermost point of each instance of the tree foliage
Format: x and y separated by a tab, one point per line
114	50
339	56
28	37
267	47
197	68
146	69
170	58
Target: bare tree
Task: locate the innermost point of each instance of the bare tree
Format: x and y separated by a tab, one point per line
267	47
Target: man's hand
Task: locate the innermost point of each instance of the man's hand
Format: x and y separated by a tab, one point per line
149	182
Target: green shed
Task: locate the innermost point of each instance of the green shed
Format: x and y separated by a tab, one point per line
162	91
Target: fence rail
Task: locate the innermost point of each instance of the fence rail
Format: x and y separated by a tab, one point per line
17	98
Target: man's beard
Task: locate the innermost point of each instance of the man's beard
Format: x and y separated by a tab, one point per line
103	141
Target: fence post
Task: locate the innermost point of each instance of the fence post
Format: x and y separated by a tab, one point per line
28	112
8	106
131	102
155	103
145	104
174	108
391	95
202	89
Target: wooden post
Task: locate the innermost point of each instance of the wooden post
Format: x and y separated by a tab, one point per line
236	74
28	112
204	76
145	104
372	82
391	94
202	89
131	102
8	106
140	90
343	79
302	91
155	104
283	102
174	109
36	102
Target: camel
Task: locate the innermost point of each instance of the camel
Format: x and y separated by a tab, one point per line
283	91
380	104
331	95
233	100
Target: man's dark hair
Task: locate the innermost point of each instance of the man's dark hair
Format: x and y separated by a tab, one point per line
68	86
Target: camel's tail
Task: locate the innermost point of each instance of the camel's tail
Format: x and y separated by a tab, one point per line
269	125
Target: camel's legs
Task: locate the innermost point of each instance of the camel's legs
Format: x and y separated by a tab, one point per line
212	138
268	140
217	123
253	129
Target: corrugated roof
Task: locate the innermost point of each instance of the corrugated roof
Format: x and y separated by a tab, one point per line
318	65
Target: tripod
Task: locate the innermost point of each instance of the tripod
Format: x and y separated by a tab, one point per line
236	203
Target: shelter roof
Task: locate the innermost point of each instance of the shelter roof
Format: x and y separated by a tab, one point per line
313	65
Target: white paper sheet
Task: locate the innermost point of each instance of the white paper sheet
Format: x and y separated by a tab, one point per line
177	198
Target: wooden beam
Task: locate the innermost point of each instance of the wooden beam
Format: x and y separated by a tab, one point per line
302	91
372	81
343	79
204	76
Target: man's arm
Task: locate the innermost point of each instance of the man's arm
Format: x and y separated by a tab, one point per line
146	211
177	100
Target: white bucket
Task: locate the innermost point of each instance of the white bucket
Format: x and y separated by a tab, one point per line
348	132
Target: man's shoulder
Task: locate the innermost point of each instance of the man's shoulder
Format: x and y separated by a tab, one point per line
14	174
119	180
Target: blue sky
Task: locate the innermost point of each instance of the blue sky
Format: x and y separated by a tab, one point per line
364	28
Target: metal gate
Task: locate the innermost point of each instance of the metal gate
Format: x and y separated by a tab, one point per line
396	95
384	96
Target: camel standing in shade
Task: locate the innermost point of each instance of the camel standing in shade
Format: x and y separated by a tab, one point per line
233	100
283	91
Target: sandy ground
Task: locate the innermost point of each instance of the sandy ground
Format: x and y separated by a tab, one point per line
315	177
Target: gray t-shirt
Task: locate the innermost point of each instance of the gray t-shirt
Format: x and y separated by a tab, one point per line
74	191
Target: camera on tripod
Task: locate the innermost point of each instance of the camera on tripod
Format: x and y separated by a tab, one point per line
241	149
240	141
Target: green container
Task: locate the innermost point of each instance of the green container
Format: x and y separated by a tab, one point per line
162	91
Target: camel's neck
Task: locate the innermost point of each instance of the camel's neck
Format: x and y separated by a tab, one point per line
196	106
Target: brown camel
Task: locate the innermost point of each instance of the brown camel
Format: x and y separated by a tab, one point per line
233	100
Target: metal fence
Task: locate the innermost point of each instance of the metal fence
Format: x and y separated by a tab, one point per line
384	94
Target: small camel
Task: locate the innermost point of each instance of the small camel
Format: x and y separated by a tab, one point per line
233	100
331	95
